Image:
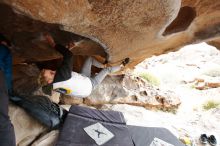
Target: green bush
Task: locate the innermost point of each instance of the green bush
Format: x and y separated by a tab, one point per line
211	104
150	78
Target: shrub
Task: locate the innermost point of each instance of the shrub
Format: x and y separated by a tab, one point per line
210	105
150	78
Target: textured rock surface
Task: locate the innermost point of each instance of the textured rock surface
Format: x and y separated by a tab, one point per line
26	128
25	79
125	28
216	43
48	139
129	89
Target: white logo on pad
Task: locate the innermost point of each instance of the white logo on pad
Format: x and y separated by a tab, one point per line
99	133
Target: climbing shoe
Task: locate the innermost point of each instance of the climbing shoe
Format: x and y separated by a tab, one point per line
203	138
106	61
212	140
125	61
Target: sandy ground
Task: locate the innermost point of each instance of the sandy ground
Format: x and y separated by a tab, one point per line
174	70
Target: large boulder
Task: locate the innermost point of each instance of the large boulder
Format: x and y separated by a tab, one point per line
128	89
123	28
27	129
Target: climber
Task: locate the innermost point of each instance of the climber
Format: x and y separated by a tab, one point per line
65	81
45	111
7	135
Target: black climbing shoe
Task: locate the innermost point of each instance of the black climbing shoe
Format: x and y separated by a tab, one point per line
106	61
126	61
203	138
42	109
212	140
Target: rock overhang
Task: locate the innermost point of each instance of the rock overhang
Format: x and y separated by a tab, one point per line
117	29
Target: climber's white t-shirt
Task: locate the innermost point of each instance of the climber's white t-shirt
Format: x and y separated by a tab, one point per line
77	86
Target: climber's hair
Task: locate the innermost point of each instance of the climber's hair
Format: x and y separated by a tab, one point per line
41	79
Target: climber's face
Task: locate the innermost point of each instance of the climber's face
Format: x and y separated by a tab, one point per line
49	75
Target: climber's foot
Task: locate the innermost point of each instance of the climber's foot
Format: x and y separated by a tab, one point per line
125	61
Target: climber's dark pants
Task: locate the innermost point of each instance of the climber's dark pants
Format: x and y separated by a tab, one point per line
7	135
6	65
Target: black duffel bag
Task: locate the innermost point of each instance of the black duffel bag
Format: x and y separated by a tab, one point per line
41	108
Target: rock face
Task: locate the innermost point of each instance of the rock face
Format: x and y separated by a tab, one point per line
26	128
123	28
132	90
25	79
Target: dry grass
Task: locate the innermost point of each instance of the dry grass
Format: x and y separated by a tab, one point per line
150	78
211	104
